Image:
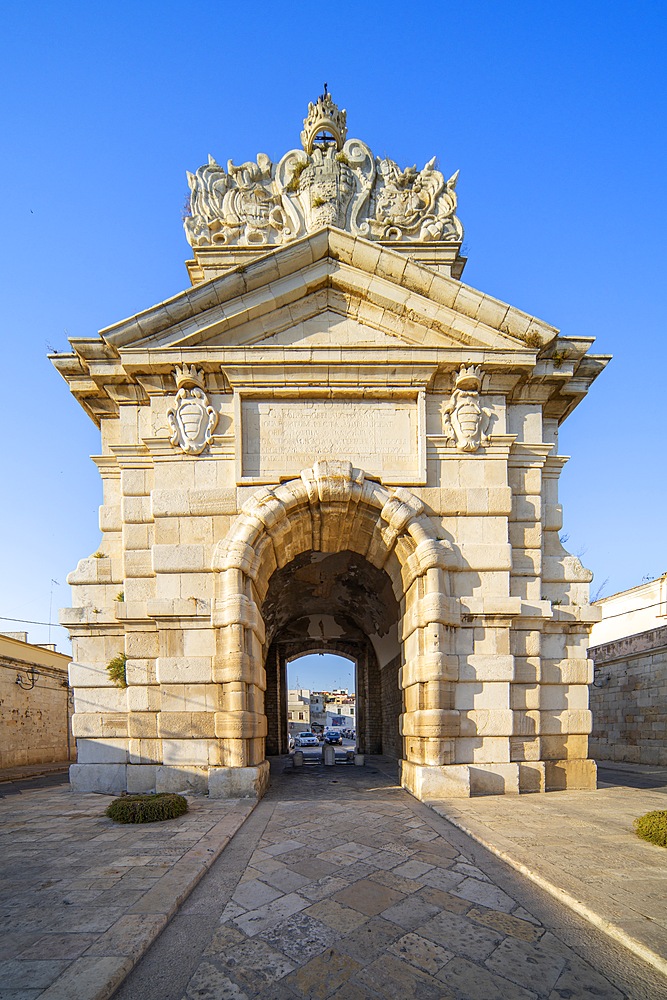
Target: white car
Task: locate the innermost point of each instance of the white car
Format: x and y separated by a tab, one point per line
306	740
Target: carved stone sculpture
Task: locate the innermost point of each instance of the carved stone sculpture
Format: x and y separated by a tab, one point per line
192	419
465	422
331	181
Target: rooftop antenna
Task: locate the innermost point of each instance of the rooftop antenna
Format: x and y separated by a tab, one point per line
51	604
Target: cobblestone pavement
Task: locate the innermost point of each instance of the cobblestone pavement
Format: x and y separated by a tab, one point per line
341	885
81	898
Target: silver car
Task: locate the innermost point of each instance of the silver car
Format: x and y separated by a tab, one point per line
306	740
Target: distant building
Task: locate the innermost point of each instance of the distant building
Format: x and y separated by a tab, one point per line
340	709
319	709
318	712
298	709
34	703
629	691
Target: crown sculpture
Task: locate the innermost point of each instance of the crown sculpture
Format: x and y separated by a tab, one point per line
331	181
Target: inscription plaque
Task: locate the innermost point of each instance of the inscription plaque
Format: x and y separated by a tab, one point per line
282	437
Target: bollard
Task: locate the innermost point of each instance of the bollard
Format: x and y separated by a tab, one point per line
297	759
328	754
359	759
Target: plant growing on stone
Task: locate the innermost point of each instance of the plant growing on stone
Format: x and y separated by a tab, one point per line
532	339
293	185
652	826
147	808
116	669
98	555
120	596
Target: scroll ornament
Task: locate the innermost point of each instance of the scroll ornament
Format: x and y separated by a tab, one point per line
465	422
331	181
192	419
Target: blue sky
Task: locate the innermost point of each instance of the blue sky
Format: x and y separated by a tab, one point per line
553	112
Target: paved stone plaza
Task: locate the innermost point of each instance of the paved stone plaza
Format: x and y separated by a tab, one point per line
343	885
336	872
82	897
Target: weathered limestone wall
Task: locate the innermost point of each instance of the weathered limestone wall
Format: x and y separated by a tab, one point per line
34	724
628	699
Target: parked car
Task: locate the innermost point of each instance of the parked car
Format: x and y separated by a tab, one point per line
306	739
333	737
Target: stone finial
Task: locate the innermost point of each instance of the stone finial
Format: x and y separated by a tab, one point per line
326	121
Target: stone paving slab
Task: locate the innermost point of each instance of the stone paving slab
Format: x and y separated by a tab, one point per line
23	771
81	897
580	846
437	916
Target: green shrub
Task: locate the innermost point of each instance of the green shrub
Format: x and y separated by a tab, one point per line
653	827
147	808
116	669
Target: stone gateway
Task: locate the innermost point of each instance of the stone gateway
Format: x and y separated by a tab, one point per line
330	443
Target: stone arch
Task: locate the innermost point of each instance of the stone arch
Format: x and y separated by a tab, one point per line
329	508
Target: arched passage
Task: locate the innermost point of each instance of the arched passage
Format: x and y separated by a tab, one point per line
334	508
336	602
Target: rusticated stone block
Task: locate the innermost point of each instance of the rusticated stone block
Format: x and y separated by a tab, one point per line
141	778
186	725
532	776
431	723
564	747
109	779
494	779
145	751
142	725
97	726
239	725
238	782
181	778
432	783
107	751
490	750
561	774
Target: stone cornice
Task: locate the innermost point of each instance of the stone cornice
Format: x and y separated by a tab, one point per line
640	644
425	318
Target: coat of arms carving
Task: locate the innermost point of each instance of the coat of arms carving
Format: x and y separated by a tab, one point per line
466	423
192	419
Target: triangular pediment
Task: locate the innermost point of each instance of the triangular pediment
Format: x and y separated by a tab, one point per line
325	286
327	328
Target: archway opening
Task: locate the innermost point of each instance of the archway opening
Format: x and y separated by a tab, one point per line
334	604
321	699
